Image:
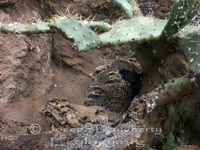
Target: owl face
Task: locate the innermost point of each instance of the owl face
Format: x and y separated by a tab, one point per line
108	76
95	95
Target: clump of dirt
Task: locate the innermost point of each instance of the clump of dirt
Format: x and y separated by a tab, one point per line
11	130
30	142
25	66
162	8
103	10
157	8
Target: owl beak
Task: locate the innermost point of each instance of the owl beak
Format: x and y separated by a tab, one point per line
93	94
93	99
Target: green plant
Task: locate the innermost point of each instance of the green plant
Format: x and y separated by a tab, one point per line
172	140
152	39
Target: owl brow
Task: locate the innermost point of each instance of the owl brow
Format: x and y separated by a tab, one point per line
112	72
96	87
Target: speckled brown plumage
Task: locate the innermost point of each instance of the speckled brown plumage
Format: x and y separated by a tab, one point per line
111	90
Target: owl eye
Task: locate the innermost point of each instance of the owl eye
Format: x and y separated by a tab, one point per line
97	89
111	75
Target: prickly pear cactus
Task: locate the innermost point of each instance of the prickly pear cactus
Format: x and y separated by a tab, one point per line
126	7
84	38
140	29
190	44
182	13
16	27
97	25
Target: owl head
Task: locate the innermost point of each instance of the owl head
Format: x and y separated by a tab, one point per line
95	95
108	76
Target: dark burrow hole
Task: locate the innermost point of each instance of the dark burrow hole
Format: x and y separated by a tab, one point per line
134	79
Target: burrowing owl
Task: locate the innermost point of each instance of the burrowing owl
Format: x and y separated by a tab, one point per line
114	89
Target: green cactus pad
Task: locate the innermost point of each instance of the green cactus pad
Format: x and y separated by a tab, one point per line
138	29
180	87
182	13
187	29
190	44
175	90
84	38
131	2
97	25
126	7
25	28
